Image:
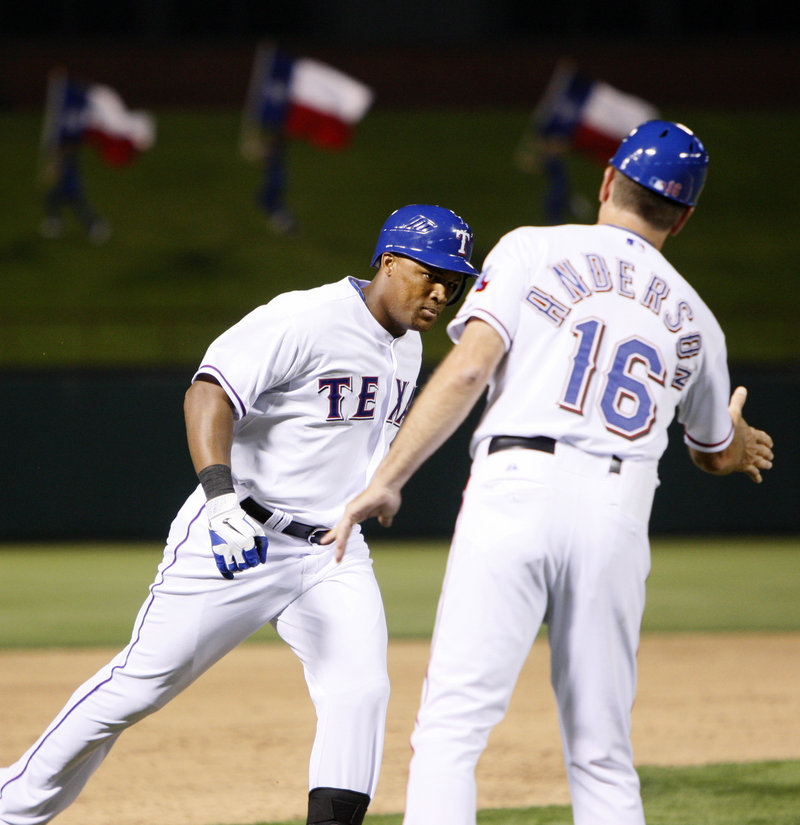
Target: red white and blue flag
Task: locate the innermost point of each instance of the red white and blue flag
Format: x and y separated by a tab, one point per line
590	115
305	99
94	114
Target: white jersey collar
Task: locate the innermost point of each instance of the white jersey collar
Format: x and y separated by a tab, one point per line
631	232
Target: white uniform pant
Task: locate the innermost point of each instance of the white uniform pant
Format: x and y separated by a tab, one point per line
331	615
541	538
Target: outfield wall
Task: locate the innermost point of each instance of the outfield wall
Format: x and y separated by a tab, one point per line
102	455
726	71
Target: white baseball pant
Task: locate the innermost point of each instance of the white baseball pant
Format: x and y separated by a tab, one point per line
541	538
330	614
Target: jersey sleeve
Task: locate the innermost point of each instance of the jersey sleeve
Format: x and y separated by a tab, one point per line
497	295
261	351
707	424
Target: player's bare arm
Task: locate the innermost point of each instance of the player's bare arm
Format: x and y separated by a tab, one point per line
749	452
447	399
238	542
209	424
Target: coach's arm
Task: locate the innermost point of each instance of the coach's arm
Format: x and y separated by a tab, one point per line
749	452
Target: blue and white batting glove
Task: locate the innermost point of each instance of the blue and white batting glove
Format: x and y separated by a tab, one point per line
237	541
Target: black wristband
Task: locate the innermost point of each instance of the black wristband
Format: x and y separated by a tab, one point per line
216	480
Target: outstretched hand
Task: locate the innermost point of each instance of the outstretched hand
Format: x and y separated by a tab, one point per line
757	445
376	500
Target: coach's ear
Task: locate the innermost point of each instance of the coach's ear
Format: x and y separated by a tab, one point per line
681	222
605	185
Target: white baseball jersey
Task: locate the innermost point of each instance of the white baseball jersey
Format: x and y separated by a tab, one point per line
609	339
319	390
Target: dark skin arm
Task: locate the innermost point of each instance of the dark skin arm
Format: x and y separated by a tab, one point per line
209	424
237	542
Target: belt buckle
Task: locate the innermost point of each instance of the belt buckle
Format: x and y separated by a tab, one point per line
316	534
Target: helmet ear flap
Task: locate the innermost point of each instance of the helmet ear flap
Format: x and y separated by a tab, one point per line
459	291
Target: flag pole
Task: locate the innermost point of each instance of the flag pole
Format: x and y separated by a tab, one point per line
250	139
51	125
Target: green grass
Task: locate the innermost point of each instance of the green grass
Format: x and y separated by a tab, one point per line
72	595
84	595
723	584
758	793
191	252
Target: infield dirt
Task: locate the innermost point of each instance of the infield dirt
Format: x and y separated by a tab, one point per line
234	747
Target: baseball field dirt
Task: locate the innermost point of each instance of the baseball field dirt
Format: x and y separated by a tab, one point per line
234	747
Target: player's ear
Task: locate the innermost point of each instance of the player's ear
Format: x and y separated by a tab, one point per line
681	222
387	262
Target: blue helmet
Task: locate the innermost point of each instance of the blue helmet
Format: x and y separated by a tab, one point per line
430	235
665	157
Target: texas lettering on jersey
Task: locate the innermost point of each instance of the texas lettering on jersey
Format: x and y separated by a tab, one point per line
362	392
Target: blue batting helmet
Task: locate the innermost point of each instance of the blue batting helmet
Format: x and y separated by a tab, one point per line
430	235
665	157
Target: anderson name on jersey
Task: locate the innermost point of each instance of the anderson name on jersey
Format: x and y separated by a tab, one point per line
318	396
609	340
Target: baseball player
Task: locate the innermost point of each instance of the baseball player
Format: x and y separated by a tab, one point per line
287	417
590	342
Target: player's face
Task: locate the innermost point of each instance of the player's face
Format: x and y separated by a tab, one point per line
418	293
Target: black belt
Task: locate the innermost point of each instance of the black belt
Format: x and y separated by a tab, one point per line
310	533
542	443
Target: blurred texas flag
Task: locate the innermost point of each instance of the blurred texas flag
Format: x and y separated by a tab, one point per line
304	98
78	112
592	116
577	115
